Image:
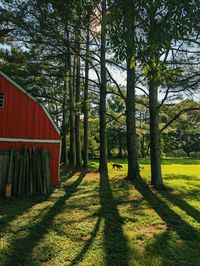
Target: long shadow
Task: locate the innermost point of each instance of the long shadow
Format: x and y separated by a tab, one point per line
13	207
169	161
172	252
88	244
185	161
182	177
16	206
173	221
21	248
10	209
181	248
66	175
182	204
115	242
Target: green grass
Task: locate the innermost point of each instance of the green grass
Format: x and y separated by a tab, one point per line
92	220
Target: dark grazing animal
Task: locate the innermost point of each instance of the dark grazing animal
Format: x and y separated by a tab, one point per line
117	166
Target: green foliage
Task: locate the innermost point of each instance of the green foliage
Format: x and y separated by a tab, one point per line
183	133
116	141
93	137
160	73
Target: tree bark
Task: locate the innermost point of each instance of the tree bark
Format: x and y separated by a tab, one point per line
103	168
133	166
64	157
78	109
188	153
156	173
86	103
120	154
71	117
142	143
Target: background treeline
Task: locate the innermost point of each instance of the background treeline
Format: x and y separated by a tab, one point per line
68	54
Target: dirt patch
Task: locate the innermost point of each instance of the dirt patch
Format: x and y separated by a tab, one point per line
92	174
152	230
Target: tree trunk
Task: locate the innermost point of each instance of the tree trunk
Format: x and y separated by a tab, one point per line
72	155
86	104
103	168
188	153
133	166
64	157
156	173
142	143
78	105
120	155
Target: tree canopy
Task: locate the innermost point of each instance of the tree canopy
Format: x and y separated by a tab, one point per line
67	54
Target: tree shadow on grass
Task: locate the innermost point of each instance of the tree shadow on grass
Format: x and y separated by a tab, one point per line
169	161
67	174
12	207
172	252
88	244
114	242
182	204
176	245
21	248
184	161
171	218
182	177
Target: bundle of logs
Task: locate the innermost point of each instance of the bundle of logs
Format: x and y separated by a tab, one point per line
24	172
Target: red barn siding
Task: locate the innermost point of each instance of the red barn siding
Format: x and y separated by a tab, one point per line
23	118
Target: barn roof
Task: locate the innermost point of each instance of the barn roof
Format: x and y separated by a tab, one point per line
33	98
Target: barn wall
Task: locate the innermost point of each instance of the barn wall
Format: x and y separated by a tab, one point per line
22	117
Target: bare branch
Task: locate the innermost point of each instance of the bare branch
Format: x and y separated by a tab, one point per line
178	115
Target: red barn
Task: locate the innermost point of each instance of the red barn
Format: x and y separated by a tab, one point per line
26	123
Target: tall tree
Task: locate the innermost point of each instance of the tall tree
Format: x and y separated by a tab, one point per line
86	99
72	72
133	166
164	24
122	33
102	108
64	155
78	104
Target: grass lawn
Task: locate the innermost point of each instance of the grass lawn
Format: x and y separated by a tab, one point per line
93	220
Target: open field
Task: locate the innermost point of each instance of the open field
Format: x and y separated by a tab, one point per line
93	220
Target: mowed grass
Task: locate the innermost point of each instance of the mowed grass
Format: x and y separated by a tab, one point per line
93	220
